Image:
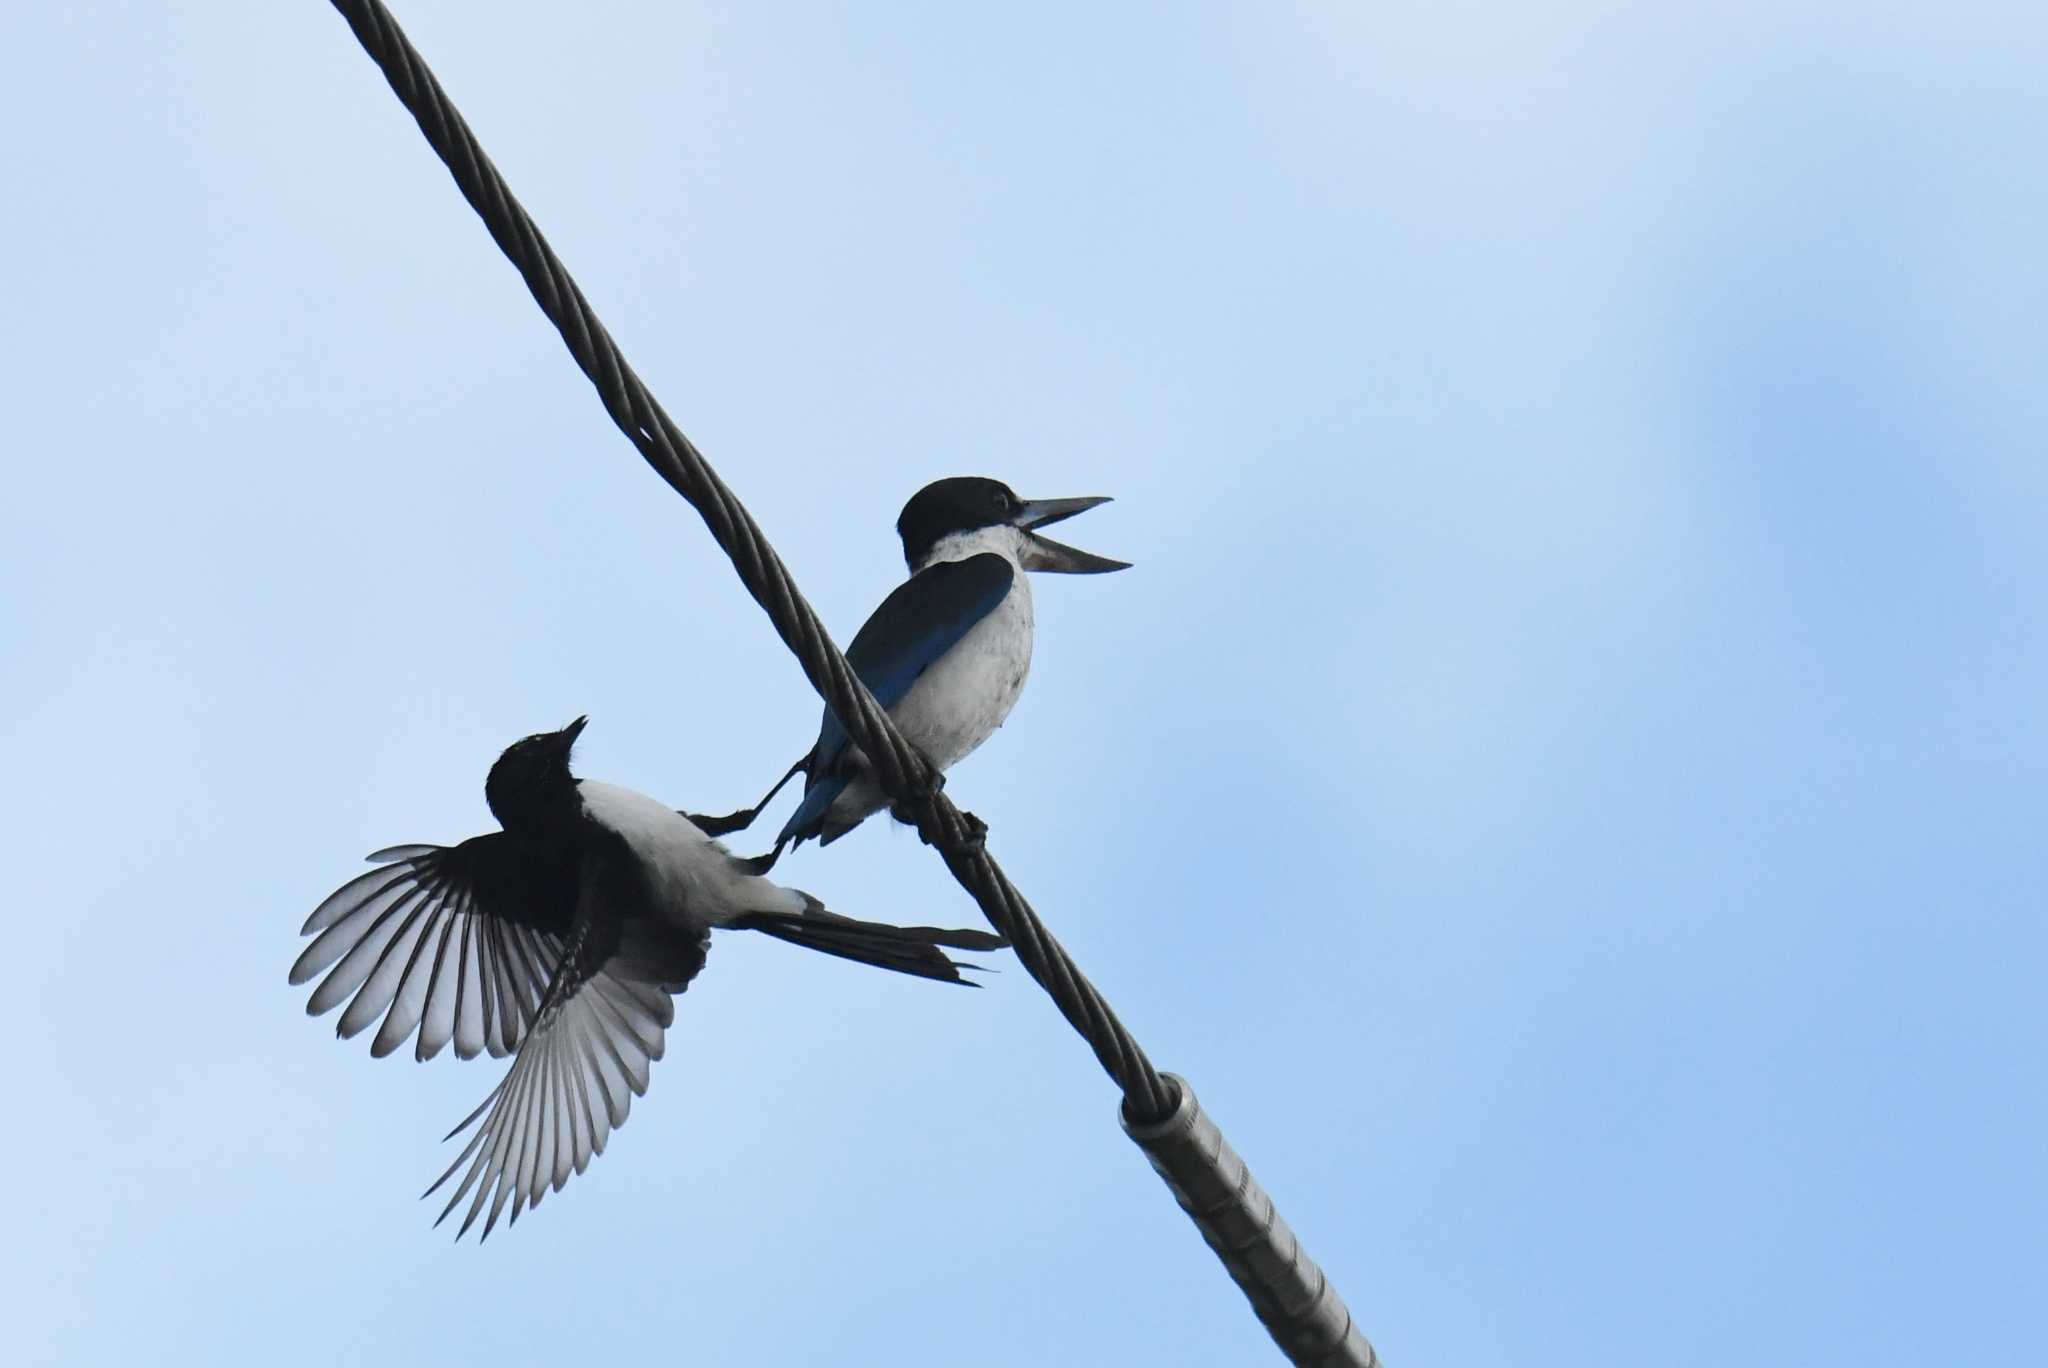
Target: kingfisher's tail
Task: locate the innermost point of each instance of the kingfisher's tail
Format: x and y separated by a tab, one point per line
905	949
809	818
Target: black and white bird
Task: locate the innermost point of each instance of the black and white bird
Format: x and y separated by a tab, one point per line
560	939
947	651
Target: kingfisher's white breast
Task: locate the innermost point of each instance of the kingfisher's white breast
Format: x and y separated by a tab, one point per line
959	701
964	695
695	879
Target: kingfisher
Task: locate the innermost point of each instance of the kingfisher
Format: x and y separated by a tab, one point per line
561	941
946	653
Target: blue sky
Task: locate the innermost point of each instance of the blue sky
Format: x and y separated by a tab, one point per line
1564	780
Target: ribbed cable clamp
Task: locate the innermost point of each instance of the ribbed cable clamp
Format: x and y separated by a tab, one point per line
1299	1307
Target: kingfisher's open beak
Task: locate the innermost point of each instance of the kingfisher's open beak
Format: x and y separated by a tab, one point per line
1043	553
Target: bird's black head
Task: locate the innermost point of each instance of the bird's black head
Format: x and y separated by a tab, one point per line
974	503
531	780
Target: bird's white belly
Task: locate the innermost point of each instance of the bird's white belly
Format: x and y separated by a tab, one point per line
958	702
694	880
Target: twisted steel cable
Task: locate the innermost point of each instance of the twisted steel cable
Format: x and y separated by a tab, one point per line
1290	1293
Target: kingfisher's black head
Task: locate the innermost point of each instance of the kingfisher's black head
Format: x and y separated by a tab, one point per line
967	504
531	779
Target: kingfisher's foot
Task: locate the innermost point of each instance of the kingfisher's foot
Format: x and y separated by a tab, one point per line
975	840
977	833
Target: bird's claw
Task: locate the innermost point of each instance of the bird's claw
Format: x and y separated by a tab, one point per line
976	839
715	827
911	810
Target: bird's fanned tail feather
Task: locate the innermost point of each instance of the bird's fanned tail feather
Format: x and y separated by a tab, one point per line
416	943
571	1085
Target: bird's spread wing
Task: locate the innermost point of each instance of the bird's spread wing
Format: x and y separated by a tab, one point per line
922	619
456	942
593	1043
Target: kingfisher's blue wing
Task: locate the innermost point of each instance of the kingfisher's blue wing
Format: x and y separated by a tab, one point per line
922	619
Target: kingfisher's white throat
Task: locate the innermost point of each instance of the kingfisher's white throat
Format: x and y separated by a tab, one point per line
1004	540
